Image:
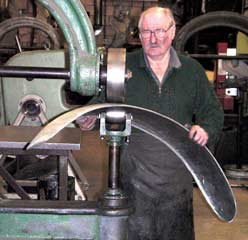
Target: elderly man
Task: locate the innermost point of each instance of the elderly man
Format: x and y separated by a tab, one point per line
158	185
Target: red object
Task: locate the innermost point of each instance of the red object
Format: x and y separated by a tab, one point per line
226	101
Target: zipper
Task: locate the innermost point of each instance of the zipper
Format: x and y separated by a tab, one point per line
159	90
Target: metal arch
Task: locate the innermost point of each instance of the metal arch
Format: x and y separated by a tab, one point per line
78	32
198	160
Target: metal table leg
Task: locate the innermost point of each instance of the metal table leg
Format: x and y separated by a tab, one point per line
63	177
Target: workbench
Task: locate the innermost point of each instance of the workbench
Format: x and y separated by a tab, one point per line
14	139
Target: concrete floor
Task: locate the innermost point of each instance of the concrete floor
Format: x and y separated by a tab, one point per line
207	226
93	160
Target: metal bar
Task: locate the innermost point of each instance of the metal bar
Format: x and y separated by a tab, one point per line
2	159
78	188
34	72
18	151
239	143
114	162
18	44
98	27
76	168
27	183
11	181
215	56
63	177
50	207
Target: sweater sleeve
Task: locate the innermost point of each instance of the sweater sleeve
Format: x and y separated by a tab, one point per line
208	110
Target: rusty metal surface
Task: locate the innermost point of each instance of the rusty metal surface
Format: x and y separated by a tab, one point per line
198	160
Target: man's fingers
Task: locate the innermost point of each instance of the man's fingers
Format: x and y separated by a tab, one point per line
199	135
86	123
202	140
192	133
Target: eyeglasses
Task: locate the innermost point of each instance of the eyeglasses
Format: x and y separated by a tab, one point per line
159	33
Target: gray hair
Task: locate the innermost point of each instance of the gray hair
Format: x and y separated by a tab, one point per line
166	11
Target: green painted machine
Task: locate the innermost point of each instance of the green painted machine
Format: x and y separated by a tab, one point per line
41	99
83	65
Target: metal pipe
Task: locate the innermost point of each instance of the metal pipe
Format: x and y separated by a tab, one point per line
34	72
98	13
239	143
215	56
105	24
114	164
98	16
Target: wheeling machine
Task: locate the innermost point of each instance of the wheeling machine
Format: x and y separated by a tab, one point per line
107	218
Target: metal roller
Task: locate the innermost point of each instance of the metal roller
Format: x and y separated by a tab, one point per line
116	73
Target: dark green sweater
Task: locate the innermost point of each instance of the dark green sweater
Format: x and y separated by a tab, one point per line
185	92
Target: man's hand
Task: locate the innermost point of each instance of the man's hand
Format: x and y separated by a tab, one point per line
199	135
86	123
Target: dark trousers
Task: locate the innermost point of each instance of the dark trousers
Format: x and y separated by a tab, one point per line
160	189
160	219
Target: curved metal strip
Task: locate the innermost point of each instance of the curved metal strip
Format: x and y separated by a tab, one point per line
198	160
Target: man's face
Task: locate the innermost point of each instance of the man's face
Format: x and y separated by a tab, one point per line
153	44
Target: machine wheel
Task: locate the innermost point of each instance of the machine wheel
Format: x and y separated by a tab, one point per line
209	20
27	33
206	21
